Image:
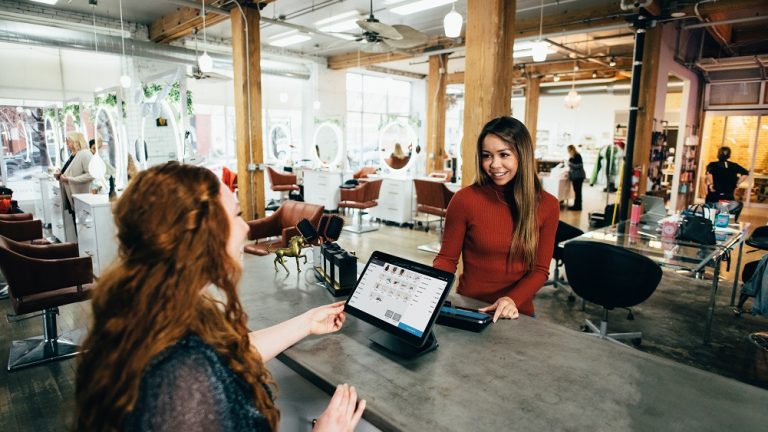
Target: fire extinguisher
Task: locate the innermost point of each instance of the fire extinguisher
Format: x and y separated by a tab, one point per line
635	190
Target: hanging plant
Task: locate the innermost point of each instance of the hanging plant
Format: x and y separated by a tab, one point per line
333	120
74	110
109	99
173	95
54	114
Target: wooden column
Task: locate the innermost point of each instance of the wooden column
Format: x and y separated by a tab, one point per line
487	83
532	106
649	77
436	82
248	111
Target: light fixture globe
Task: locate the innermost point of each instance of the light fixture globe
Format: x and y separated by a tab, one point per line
572	99
205	62
539	50
125	81
452	24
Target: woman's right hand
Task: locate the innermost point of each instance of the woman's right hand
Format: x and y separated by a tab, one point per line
341	414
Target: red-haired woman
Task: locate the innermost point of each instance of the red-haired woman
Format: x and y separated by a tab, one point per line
169	347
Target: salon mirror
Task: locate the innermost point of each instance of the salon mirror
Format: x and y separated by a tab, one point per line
279	140
397	141
160	135
52	143
105	134
328	144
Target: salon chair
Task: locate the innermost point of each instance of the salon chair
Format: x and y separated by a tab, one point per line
564	232
361	197
282	182
364	172
612	277
40	279
280	224
20	227
432	198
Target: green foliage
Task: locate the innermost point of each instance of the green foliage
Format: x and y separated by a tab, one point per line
174	95
109	99
74	110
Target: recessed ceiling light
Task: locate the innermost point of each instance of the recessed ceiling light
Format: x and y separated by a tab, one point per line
291	39
48	2
418	6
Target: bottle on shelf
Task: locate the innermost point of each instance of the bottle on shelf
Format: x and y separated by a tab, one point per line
722	218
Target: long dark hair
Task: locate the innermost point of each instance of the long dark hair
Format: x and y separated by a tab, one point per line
523	192
172	244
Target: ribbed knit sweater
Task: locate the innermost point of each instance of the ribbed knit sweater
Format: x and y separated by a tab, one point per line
479	226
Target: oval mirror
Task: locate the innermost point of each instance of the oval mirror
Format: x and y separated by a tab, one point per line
161	136
280	142
69	126
397	141
328	144
106	141
52	141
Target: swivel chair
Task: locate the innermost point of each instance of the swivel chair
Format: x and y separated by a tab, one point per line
432	198
20	227
282	182
564	232
364	172
281	224
363	196
610	276
42	278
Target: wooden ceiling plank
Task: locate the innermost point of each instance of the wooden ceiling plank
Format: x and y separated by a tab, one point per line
182	22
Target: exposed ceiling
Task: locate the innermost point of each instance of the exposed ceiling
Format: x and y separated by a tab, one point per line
593	29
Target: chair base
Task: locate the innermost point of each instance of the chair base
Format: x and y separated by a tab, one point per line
760	339
602	333
4	292
36	350
431	247
359	229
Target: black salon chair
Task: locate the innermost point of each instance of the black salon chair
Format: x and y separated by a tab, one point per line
759	238
564	232
611	277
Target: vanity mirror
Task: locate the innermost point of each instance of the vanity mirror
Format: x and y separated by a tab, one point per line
279	139
328	144
52	143
160	135
397	141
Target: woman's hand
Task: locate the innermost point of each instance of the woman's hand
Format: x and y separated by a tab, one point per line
505	308
64	179
341	415
326	319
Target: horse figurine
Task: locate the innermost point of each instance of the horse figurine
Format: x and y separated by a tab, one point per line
293	250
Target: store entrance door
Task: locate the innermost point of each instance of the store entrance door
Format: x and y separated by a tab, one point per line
746	133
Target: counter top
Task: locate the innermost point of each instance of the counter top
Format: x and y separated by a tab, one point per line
93	200
522	374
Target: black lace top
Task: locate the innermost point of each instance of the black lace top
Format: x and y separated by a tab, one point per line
189	387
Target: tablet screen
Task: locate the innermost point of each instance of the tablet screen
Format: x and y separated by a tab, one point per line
399	295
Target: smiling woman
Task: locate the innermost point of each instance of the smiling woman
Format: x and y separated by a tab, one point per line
503	226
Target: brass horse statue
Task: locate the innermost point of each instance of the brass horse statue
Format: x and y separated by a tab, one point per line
293	250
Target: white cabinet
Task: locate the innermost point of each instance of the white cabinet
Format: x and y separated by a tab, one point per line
96	231
46	194
395	201
322	188
62	224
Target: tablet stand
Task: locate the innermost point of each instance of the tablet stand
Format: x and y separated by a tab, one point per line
402	348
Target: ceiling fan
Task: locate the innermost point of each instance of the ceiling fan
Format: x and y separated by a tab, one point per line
379	37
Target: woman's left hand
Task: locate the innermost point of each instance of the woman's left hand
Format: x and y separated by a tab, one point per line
505	308
326	319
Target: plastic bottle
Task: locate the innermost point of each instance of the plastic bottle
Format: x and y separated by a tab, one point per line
634	216
722	218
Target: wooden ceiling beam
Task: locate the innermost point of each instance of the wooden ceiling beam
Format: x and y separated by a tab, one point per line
363	59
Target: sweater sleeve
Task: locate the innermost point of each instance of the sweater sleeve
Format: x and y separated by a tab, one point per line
456	219
524	290
83	162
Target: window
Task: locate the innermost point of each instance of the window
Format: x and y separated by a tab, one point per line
372	102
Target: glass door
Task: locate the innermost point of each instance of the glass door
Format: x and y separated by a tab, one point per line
746	133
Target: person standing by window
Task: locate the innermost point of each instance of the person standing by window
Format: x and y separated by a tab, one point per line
503	226
576	174
723	176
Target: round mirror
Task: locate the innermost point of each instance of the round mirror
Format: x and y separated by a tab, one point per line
106	140
161	136
396	144
328	144
280	142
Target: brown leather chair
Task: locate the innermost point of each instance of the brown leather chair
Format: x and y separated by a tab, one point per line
281	223
432	198
42	278
284	183
20	227
362	196
364	172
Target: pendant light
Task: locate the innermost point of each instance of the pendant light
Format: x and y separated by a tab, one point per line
539	47
452	23
204	62
125	79
573	99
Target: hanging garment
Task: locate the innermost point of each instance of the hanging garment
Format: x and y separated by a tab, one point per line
609	158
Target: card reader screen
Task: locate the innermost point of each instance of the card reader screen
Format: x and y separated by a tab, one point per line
464	313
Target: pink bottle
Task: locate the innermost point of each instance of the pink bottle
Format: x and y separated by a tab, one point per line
634	216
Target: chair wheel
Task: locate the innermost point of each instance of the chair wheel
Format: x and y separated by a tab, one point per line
571	298
737	311
637	342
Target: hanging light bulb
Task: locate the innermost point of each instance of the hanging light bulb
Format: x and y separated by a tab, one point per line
125	81
594	74
612	62
573	99
204	62
556	78
452	23
539	47
316	104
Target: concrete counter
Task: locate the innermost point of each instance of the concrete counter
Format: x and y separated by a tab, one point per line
516	375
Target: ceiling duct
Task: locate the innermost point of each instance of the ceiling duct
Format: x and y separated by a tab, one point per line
42	36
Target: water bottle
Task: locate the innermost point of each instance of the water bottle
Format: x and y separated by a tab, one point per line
723	215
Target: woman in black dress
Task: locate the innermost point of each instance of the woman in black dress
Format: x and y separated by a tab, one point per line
723	176
576	174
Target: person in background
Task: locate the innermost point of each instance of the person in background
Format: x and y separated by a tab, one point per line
723	176
503	226
74	177
576	174
398	158
169	348
92	146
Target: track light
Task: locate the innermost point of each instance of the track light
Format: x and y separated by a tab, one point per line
612	62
